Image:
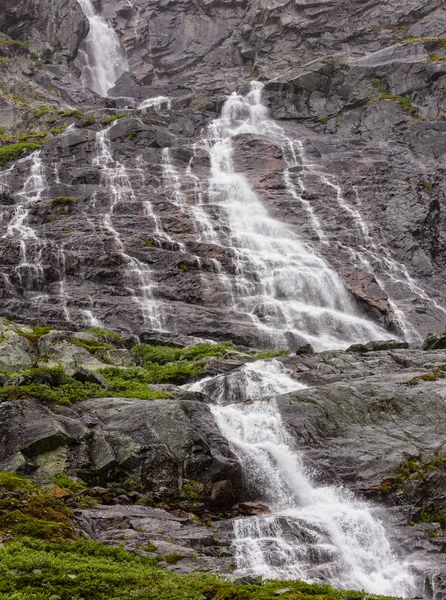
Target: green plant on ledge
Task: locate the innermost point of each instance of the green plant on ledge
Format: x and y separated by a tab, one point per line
15	151
63	201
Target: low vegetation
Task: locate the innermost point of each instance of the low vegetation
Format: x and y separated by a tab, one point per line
15	151
42	558
52	384
63	201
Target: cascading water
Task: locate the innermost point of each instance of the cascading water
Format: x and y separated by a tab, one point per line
288	291
30	269
101	59
314	532
138	275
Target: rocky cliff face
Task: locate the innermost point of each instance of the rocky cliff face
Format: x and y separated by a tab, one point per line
358	88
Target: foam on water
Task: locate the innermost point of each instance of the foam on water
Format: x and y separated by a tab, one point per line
317	533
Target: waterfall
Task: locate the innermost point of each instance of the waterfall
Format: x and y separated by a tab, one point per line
138	276
101	60
254	380
316	533
30	269
156	103
288	292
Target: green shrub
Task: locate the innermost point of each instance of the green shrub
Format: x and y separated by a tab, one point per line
15	151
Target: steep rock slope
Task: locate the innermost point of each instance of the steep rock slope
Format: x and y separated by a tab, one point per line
364	113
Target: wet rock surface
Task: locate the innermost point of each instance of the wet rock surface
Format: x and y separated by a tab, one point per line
365	104
163	480
112	201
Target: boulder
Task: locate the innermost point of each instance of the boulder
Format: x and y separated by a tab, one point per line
435	341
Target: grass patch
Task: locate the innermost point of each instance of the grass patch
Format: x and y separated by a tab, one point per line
45	561
67	484
15	151
63	201
114	118
405	104
33	570
106	333
53	385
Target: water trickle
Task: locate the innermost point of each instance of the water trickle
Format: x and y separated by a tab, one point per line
317	533
101	59
138	277
157	103
30	269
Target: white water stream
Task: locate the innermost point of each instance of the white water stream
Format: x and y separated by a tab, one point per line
287	291
317	533
117	181
101	59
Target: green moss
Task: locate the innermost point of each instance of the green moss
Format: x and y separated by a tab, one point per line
405	104
438	373
33	570
114	118
34	512
63	201
428	187
92	346
437	58
10	482
71	112
66	483
377	83
15	151
19	43
90	120
272	353
165	354
191	491
45	561
433	515
147	241
131	136
415	40
43	110
128	383
105	332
